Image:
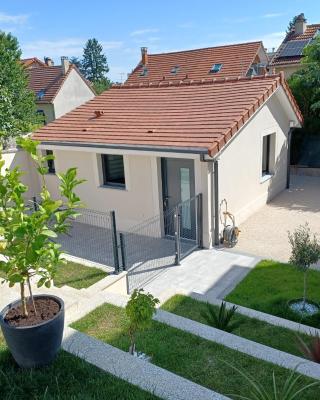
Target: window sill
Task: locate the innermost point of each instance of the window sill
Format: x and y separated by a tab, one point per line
266	178
123	188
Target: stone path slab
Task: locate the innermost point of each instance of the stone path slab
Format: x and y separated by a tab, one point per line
238	343
213	272
139	372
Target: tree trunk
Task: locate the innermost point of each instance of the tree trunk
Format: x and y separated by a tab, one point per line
23	300
304	290
132	347
31	296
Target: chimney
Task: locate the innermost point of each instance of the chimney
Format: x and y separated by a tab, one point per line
65	64
300	24
48	61
144	55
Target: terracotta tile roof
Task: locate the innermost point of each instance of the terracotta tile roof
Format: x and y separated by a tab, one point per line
46	81
195	64
200	116
309	33
32	62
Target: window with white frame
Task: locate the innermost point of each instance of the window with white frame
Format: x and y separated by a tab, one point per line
113	170
268	154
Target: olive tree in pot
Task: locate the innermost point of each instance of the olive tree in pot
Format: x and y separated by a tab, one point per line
140	310
33	325
305	251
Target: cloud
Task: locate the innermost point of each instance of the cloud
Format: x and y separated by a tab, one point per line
186	25
140	32
63	47
273	39
13	19
272	15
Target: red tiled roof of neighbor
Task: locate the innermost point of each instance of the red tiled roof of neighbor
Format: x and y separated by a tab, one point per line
198	116
27	62
236	59
309	33
50	79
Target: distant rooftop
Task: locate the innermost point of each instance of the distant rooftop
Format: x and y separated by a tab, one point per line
221	61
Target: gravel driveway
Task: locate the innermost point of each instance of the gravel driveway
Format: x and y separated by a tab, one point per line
266	232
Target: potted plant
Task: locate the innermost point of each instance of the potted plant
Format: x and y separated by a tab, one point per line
140	310
305	251
33	325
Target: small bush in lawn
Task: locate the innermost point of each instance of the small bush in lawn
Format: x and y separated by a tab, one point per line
292	389
140	310
312	350
221	319
305	251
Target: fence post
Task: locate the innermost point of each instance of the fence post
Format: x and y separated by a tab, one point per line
123	251
35	205
200	221
114	242
177	221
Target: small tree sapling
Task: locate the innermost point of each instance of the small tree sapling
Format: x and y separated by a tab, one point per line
140	310
26	236
305	251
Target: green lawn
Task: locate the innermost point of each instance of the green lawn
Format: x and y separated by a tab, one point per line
270	285
187	355
250	328
77	275
69	378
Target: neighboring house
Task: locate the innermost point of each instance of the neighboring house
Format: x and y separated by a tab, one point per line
244	59
289	54
144	147
32	63
58	89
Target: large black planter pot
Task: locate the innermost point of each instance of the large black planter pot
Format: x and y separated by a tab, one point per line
37	345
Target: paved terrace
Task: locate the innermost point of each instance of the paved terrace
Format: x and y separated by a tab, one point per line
266	232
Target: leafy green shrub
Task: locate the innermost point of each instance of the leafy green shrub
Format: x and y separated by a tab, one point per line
26	237
140	310
222	318
291	390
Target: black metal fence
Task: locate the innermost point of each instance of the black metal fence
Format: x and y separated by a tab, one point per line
145	250
161	242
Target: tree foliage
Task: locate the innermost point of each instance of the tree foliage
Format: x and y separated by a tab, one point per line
140	310
26	237
94	65
17	102
305	86
291	24
305	251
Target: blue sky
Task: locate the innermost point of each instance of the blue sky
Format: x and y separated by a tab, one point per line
60	28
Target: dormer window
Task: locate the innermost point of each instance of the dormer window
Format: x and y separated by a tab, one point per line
144	71
40	94
215	68
175	69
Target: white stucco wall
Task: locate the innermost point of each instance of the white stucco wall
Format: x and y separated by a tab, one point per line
240	164
288	69
48	110
72	94
23	160
134	204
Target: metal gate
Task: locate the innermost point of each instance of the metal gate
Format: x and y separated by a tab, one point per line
159	243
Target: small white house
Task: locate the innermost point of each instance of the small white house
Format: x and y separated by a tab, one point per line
58	88
143	148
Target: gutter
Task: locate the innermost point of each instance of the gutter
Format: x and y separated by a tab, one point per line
215	195
163	149
288	157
